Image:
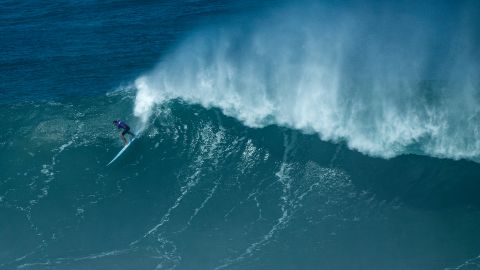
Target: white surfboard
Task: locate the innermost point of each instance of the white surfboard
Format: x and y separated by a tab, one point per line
121	151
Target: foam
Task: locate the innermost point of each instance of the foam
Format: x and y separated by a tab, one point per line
384	89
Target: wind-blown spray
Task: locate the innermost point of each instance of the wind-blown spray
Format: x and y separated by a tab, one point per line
382	78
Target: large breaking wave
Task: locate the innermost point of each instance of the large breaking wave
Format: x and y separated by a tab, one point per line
380	78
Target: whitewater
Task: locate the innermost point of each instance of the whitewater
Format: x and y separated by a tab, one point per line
272	135
396	87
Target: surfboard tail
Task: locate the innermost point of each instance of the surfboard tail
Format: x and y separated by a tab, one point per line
121	151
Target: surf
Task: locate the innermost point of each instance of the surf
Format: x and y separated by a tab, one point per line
249	122
399	87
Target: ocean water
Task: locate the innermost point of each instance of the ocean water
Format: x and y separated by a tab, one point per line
272	135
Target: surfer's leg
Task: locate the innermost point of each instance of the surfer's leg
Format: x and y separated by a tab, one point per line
127	131
123	137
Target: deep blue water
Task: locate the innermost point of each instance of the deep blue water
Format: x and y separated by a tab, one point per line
272	135
52	50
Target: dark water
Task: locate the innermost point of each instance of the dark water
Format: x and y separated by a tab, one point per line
273	135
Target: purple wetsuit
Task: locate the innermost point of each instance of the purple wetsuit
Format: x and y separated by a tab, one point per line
124	126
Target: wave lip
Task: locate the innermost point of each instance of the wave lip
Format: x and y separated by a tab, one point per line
378	87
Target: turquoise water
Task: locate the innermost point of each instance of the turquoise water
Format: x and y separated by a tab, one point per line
272	136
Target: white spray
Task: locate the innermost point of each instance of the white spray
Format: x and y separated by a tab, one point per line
377	80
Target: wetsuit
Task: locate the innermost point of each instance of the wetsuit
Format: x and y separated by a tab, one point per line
124	126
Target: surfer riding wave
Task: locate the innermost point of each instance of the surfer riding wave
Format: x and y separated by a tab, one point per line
126	129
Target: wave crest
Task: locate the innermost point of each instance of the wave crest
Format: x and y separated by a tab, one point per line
384	88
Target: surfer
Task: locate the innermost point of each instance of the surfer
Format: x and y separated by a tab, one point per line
126	129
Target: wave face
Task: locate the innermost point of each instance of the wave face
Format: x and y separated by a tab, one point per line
387	79
199	190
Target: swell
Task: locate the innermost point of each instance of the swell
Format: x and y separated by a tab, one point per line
390	82
194	167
